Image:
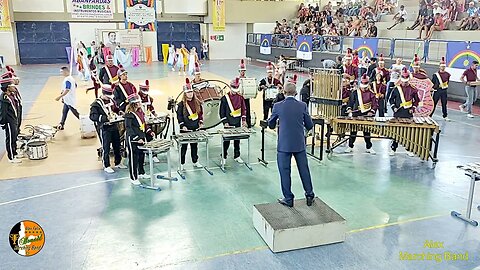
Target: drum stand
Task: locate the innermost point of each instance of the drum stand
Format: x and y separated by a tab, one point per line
474	176
230	137
321	122
264	125
152	176
179	145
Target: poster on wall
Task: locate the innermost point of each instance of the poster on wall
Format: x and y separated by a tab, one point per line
218	15
266	44
368	45
304	47
5	24
92	9
140	14
124	45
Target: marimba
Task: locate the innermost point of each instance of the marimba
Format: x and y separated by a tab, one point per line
158	146
415	134
192	137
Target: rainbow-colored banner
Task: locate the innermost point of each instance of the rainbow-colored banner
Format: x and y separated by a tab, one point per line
369	45
5	24
218	14
460	54
304	47
140	14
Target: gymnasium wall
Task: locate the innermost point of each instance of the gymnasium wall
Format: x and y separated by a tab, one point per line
233	45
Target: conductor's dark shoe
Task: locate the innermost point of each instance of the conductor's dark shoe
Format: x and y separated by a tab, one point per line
310	200
286	203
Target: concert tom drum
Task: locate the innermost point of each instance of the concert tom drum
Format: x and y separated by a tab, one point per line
37	150
271	93
158	123
248	87
211	113
208	92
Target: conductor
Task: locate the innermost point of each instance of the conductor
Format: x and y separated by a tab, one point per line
293	120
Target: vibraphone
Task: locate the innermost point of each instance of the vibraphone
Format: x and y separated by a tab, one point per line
157	146
192	137
415	134
326	89
472	170
231	134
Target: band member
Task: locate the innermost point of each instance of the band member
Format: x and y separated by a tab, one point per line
147	105
347	88
9	113
380	90
418	72
68	97
102	110
348	68
10	73
93	71
281	95
108	73
381	69
404	100
233	114
242	69
190	118
198	82
123	89
363	102
440	86
265	84
135	136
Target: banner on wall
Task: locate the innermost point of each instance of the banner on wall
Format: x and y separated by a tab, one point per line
304	47
266	44
369	45
460	54
218	15
140	14
92	9
5	24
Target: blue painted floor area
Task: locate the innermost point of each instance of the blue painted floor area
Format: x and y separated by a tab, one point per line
94	221
384	248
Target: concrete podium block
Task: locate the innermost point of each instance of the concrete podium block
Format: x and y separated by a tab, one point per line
284	228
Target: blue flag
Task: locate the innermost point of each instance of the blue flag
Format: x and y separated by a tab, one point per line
370	45
266	44
304	47
461	54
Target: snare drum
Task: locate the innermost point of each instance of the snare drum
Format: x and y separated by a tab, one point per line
248	87
37	150
211	113
271	93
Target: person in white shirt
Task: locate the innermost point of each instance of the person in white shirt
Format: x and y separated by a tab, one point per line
400	17
438	9
363	64
68	97
205	50
395	72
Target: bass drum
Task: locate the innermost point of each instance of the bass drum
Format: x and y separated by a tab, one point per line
211	113
248	87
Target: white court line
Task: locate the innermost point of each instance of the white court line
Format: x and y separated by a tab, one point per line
60	190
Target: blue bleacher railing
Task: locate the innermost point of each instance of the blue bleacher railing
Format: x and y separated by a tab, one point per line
431	50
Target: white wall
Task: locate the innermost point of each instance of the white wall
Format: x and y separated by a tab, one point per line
86	31
150	39
38	5
263	28
233	47
7	48
192	7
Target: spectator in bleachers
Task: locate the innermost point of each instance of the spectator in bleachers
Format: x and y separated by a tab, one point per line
438	25
468	23
452	11
422	12
428	22
371	30
399	17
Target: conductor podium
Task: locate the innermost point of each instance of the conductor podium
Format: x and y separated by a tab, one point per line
289	228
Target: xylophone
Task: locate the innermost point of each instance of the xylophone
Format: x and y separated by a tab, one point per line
192	137
326	89
415	134
472	170
200	135
239	133
157	146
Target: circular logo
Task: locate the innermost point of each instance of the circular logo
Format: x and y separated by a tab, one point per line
26	238
466	63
